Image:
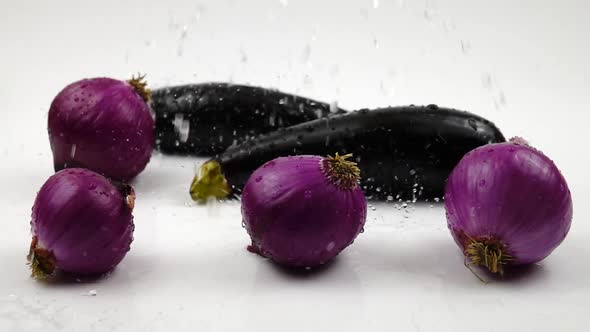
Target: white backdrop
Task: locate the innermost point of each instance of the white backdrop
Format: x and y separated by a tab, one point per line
523	65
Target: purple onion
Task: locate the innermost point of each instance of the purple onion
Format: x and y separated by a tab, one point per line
104	125
302	211
81	224
507	204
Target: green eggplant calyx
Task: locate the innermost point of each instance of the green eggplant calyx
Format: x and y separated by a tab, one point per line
210	182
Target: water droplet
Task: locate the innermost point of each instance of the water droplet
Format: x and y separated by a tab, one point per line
482	182
73	151
307	81
331	246
471	122
243	224
306	54
362	229
375	42
465	46
243	56
436	199
486	81
389	198
307	194
412	172
258	178
334	107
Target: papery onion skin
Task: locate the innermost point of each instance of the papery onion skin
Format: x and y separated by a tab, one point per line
297	216
82	224
104	125
508	198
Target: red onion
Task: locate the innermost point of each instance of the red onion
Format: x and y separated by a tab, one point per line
302	211
104	125
81	224
507	204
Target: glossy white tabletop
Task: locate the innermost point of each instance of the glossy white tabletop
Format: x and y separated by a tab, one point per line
524	66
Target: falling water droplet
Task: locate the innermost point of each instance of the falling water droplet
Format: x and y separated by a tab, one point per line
306	54
465	46
486	81
334	107
73	151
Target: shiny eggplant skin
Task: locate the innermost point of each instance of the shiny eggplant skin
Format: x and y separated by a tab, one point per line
403	152
205	119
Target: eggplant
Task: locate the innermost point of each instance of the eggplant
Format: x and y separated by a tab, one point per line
403	152
205	119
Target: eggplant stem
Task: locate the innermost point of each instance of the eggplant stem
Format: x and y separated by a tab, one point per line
488	252
342	172
140	86
210	182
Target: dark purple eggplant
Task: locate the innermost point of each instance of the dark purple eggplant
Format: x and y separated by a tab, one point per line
403	152
205	119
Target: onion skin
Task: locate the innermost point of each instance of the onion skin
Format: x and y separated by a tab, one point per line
82	224
104	125
508	199
299	217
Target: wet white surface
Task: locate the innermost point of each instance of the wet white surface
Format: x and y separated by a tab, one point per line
523	66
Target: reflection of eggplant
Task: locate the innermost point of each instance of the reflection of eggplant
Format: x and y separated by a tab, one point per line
403	152
204	119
